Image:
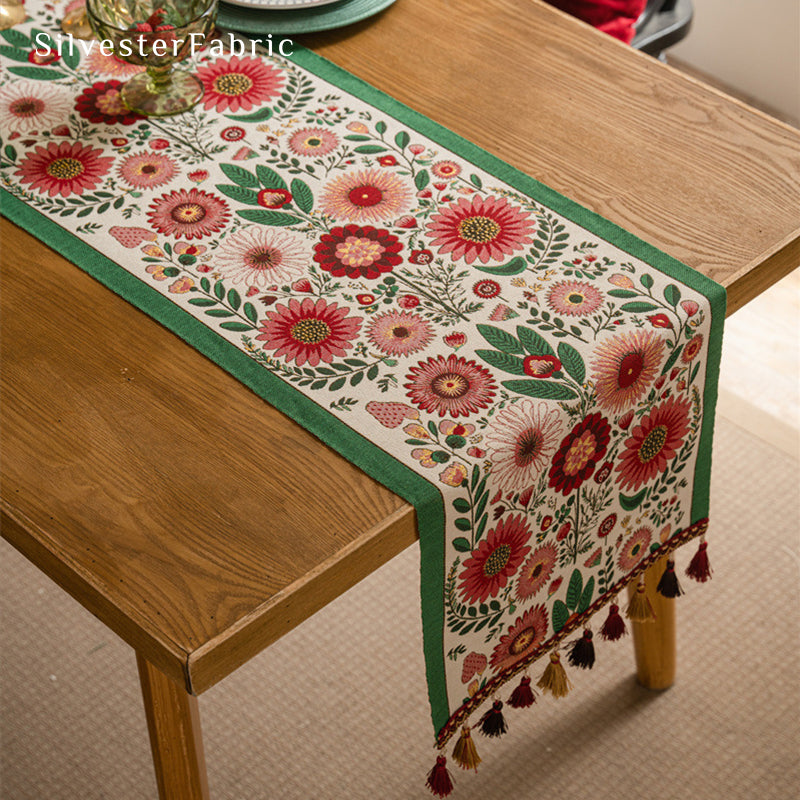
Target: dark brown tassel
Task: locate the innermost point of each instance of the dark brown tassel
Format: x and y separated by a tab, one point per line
440	782
669	585
554	678
640	609
523	695
581	652
699	569
614	626
465	753
493	722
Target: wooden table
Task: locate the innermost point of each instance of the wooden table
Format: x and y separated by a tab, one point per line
100	410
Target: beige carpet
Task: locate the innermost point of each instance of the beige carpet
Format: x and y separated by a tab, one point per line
337	709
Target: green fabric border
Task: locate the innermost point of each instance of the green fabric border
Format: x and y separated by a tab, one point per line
376	462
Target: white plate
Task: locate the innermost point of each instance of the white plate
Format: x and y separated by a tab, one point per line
279	5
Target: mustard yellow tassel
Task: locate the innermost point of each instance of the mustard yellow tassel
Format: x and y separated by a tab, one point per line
640	609
465	754
554	679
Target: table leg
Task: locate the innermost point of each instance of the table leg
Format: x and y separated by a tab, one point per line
654	642
173	720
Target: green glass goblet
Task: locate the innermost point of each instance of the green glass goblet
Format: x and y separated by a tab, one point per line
155	35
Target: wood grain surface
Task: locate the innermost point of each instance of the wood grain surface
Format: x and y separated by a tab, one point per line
199	523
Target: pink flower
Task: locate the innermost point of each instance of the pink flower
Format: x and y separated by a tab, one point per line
67	168
406	221
239	83
623	281
690	307
181	286
455	340
454	474
416	149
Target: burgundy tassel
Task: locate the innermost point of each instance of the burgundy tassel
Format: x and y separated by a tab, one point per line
493	722
440	782
581	652
523	695
669	585
699	568
614	626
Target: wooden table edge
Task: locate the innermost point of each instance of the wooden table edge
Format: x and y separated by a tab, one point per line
218	657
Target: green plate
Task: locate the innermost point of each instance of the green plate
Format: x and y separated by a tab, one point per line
308	20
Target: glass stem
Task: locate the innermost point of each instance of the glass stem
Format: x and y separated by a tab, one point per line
160	79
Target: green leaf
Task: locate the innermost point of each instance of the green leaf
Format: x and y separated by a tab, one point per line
234	300
267	217
239	175
514	267
219	312
262	115
380	126
638	307
239	327
455	442
500	339
71	56
461	505
16	38
694	372
646	281
369	149
14	54
402	140
503	361
586	597
268	178
239	193
476	181
574	590
560	615
250	312
572	361
219	290
476	471
11	152
38	73
202	301
421	179
357	137
672	294
624	293
535	344
547	390
302	195
672	359
337	384
463	524
629	503
461	544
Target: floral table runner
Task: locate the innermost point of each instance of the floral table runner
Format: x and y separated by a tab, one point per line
537	382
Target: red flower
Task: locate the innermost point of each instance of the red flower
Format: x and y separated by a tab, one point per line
119	141
406	221
233	133
653	443
408	301
580	451
659	321
387	161
102	102
302	285
452	386
546	522
625	419
486	289
607	525
554	586
357	252
495	559
365	299
194	213
602	474
308	331
274	198
421	257
540	366
239	83
563	531
48	57
65	168
455	340
521	639
159	144
691	350
480	228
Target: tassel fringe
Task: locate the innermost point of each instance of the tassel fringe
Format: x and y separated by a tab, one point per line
614	626
581	653
640	609
669	586
465	754
554	679
522	696
440	782
699	569
493	722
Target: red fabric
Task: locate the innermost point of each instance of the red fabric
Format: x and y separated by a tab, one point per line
614	17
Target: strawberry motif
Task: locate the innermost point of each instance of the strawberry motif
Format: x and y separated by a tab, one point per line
474	664
392	415
132	237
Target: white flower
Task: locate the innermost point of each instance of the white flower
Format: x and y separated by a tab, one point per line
27	106
260	257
